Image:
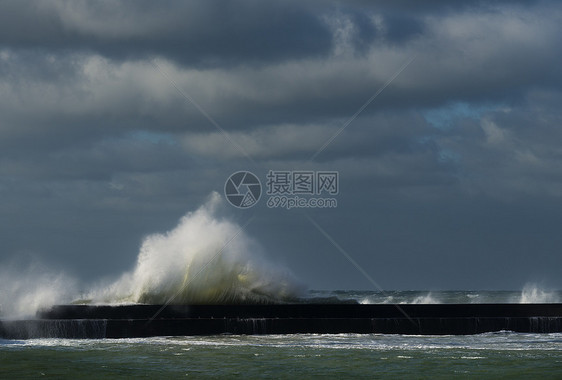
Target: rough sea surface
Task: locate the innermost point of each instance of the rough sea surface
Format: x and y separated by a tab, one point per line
493	355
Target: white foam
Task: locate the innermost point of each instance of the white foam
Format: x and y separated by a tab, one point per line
26	288
204	259
532	293
424	299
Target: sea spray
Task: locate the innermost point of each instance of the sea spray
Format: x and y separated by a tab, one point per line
204	259
398	297
27	285
428	298
532	293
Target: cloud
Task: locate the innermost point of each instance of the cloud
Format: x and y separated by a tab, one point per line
265	142
190	33
510	153
101	115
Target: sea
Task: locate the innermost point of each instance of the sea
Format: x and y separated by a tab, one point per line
498	355
209	259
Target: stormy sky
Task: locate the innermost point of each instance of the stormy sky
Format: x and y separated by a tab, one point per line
117	118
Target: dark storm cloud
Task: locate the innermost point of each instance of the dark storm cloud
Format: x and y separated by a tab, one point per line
470	55
437	6
98	147
193	33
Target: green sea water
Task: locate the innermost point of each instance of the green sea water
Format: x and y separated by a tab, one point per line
498	355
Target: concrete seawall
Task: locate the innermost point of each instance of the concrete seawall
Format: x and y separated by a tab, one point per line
83	321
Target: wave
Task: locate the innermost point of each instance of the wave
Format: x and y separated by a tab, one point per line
204	259
532	293
27	285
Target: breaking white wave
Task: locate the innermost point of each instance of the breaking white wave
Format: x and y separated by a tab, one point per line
425	299
204	259
397	297
27	287
532	293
